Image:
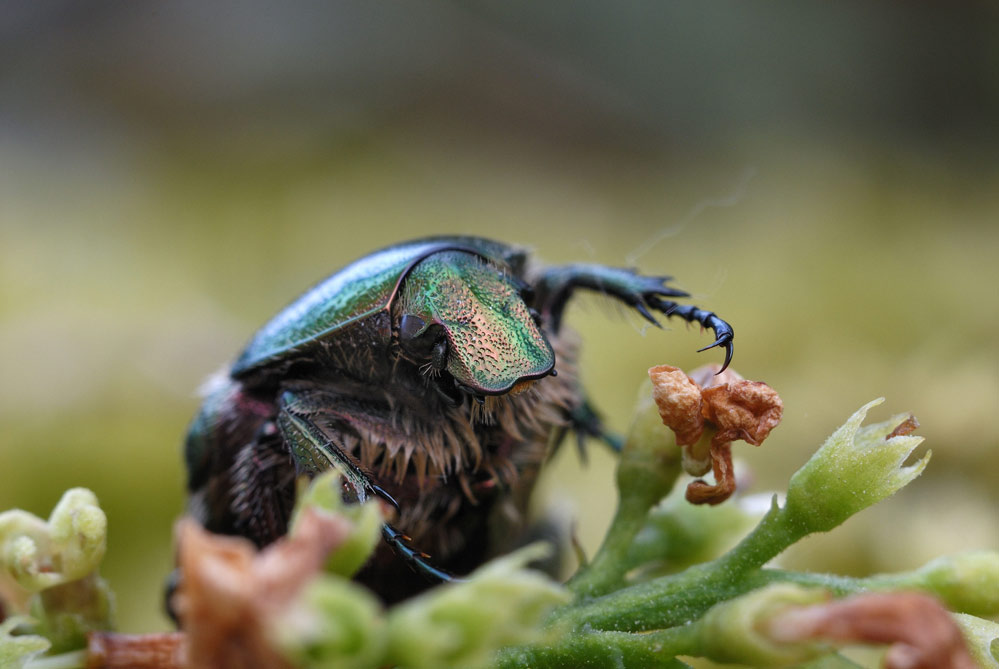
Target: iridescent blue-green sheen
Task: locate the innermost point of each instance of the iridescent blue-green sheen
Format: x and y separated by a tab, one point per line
356	292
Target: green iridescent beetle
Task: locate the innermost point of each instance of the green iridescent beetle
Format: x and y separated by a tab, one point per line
426	374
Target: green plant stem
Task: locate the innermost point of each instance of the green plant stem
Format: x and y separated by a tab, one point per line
680	598
605	573
656	650
649	467
837	585
847	585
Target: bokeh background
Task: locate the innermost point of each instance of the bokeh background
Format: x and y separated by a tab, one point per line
823	175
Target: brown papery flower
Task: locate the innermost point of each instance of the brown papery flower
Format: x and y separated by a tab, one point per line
108	650
231	593
707	412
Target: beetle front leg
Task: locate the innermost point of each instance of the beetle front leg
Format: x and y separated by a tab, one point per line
417	560
555	286
314	451
584	421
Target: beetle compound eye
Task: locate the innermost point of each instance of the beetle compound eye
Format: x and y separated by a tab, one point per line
411	326
418	338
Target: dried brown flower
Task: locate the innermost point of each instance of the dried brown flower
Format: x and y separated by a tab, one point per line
726	406
701	492
107	650
907	426
679	400
921	632
231	594
746	410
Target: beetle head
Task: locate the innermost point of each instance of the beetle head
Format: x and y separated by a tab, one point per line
465	316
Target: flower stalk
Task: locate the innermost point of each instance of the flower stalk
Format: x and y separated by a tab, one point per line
867	460
648	469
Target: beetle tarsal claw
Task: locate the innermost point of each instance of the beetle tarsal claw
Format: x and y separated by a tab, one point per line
378	490
724	339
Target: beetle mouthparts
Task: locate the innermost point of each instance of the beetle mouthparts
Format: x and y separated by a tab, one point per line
471	392
521	386
448	389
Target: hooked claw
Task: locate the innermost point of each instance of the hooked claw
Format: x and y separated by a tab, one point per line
380	491
724	339
723	331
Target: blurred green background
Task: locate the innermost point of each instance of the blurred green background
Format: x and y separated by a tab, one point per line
823	175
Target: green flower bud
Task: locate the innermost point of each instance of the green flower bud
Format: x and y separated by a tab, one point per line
335	624
678	534
982	637
734	631
650	460
16	651
79	531
968	582
66	613
855	468
463	623
324	494
40	554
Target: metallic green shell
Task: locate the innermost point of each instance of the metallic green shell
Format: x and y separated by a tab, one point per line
494	342
355	293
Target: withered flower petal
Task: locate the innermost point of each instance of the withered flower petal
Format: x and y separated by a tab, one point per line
907	426
746	410
707	376
108	650
231	594
720	407
679	401
921	632
700	492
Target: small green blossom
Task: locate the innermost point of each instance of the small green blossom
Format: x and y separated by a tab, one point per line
66	613
16	651
41	554
968	582
336	624
982	637
56	563
462	624
734	631
855	468
650	459
324	494
678	534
